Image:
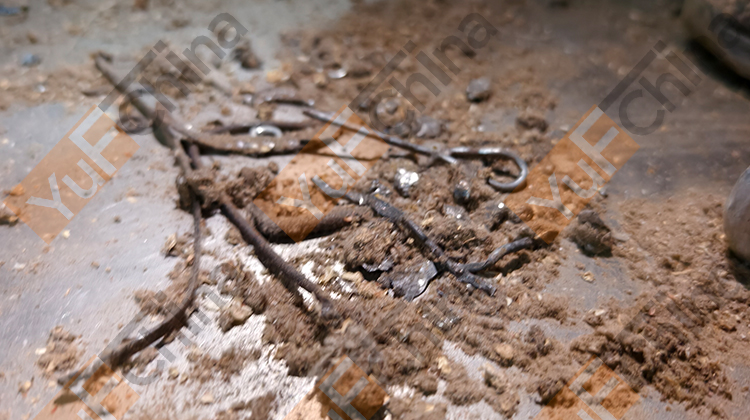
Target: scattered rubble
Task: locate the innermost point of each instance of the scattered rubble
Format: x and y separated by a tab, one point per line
478	90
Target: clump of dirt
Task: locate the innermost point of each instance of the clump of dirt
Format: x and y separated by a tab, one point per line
177	246
359	245
60	354
165	302
591	234
260	408
247	185
229	364
682	333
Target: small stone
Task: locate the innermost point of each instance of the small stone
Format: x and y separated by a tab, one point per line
117	219
276	76
108	270
173	372
24	387
727	322
170	244
444	365
588	276
478	89
354	277
462	192
495	378
95	264
66	234
531	119
428	127
320	80
234	314
207	398
337	74
30	60
506	353
240	313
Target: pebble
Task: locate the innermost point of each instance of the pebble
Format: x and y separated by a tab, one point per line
478	89
462	192
506	352
444	365
588	276
30	60
24	387
429	128
495	378
337	74
320	80
239	312
207	398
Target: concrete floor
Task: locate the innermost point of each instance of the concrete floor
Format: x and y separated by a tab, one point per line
703	145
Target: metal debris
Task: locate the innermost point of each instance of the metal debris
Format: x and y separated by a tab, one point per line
265	130
404	180
384	265
462	192
455	212
411	281
495	153
378	188
337	74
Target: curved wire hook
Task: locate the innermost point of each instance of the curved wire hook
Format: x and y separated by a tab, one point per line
495	153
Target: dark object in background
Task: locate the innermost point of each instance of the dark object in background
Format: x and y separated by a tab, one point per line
737	217
725	34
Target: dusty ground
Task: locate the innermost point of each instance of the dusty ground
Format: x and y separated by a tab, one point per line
607	287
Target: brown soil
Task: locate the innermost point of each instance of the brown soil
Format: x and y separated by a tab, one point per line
677	250
685	331
60	354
